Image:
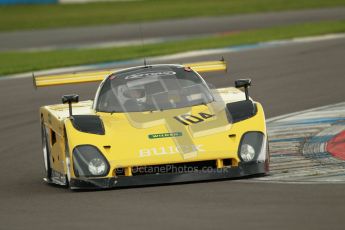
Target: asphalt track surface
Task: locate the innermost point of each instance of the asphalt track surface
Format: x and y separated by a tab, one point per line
286	79
124	33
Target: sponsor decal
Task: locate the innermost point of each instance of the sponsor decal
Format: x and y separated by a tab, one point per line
150	74
163	135
169	150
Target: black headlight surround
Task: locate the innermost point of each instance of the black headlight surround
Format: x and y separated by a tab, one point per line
241	110
82	155
88	124
255	139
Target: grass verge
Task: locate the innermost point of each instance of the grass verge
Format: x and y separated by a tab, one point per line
70	15
16	62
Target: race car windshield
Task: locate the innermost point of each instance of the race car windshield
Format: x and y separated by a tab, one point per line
152	88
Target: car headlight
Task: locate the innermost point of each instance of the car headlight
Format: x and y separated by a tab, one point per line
251	146
88	161
97	167
247	152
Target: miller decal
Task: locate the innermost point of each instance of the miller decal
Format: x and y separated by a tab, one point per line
163	135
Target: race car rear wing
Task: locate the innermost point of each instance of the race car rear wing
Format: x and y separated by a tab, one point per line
100	75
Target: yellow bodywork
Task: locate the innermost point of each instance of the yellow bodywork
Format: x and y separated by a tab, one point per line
126	143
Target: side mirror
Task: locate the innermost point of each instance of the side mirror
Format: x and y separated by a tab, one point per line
244	83
71	98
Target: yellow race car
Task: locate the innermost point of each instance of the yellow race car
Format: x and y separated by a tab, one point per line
152	124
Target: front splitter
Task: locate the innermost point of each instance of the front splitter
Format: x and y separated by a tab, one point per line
242	170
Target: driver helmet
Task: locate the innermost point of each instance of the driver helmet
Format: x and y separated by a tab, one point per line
137	93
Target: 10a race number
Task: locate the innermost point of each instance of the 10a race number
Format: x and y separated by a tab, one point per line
188	119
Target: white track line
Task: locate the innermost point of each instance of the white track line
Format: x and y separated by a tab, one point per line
190	54
303	111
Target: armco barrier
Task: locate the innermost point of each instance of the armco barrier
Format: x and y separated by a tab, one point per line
13	2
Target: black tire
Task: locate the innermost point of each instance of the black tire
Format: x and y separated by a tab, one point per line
268	157
46	153
67	155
